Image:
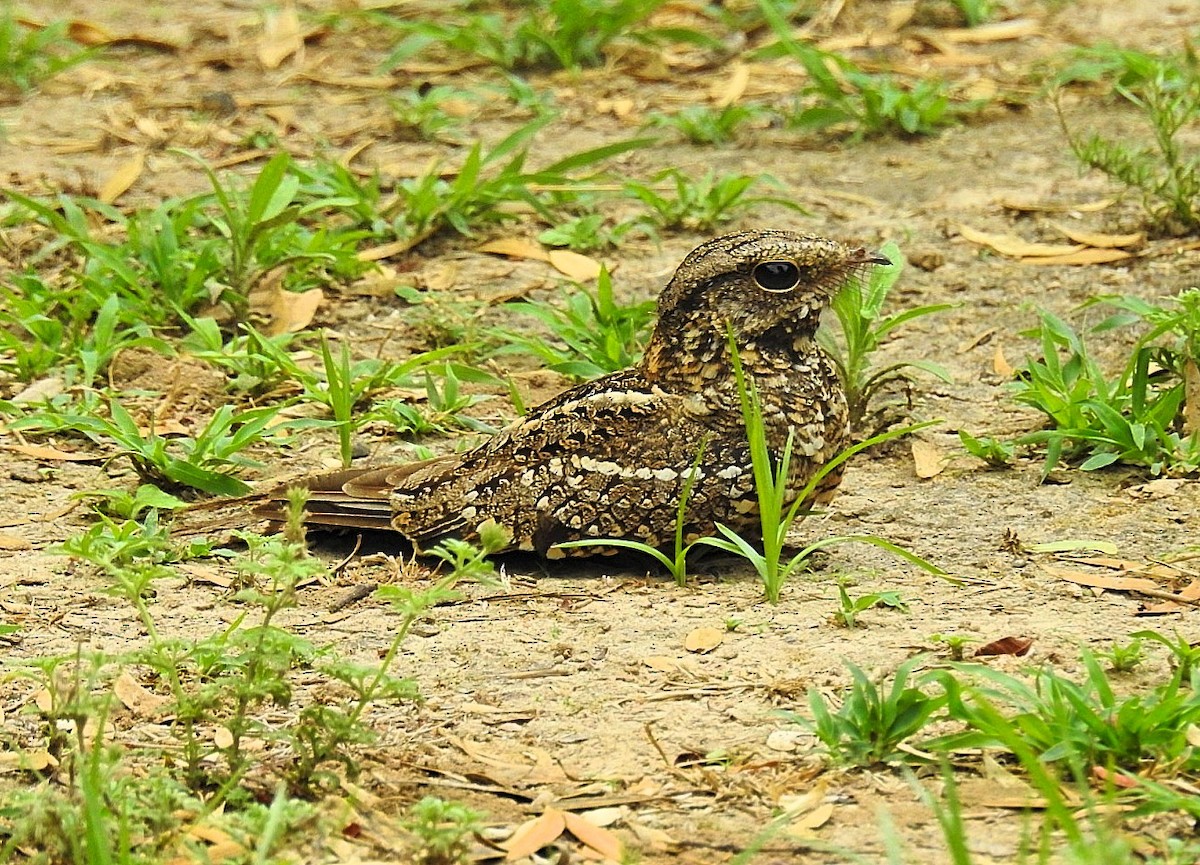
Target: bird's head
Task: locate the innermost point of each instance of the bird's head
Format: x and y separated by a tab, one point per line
770	286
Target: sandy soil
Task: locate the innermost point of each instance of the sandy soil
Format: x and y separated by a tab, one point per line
572	685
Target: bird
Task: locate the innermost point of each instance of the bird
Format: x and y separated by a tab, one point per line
609	458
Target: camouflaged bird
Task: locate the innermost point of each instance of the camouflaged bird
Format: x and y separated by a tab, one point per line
609	458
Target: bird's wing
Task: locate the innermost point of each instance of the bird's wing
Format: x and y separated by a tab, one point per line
606	459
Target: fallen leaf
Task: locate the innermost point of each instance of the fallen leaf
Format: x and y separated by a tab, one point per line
223	737
1025	206
515	247
49	454
1000	364
1013	246
1190	592
1074	545
1102	241
578	267
1192	735
89	34
9	541
1018	646
803	826
998	31
1101	581
281	37
1082	256
137	699
601	840
732	89
122	179
928	459
26	761
386	250
293	311
662	663
93	36
532	835
703	639
221	843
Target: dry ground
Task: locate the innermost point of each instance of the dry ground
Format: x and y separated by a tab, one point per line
573	685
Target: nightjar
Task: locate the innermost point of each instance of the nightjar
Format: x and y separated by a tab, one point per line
609	458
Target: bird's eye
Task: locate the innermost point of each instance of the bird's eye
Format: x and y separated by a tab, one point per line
777	275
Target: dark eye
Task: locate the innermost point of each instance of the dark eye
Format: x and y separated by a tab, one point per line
777	275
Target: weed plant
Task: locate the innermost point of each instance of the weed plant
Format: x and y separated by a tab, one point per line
592	334
873	721
702	124
1166	91
30	55
840	95
204	461
487	182
1140	416
700	203
558	34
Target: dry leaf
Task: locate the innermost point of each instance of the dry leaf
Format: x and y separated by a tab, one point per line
281	37
515	247
89	34
999	31
578	267
1102	241
137	699
1022	205
1082	256
1016	247
1000	364
293	311
703	640
26	761
122	179
386	250
221	844
1190	592
1018	646
10	541
602	841
49	454
803	826
222	737
1100	581
532	835
928	459
728	92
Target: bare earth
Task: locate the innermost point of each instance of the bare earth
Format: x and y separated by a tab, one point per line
572	686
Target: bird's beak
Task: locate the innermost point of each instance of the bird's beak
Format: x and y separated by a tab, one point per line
868	257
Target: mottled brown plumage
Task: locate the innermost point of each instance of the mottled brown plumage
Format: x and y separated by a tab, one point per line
607	459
